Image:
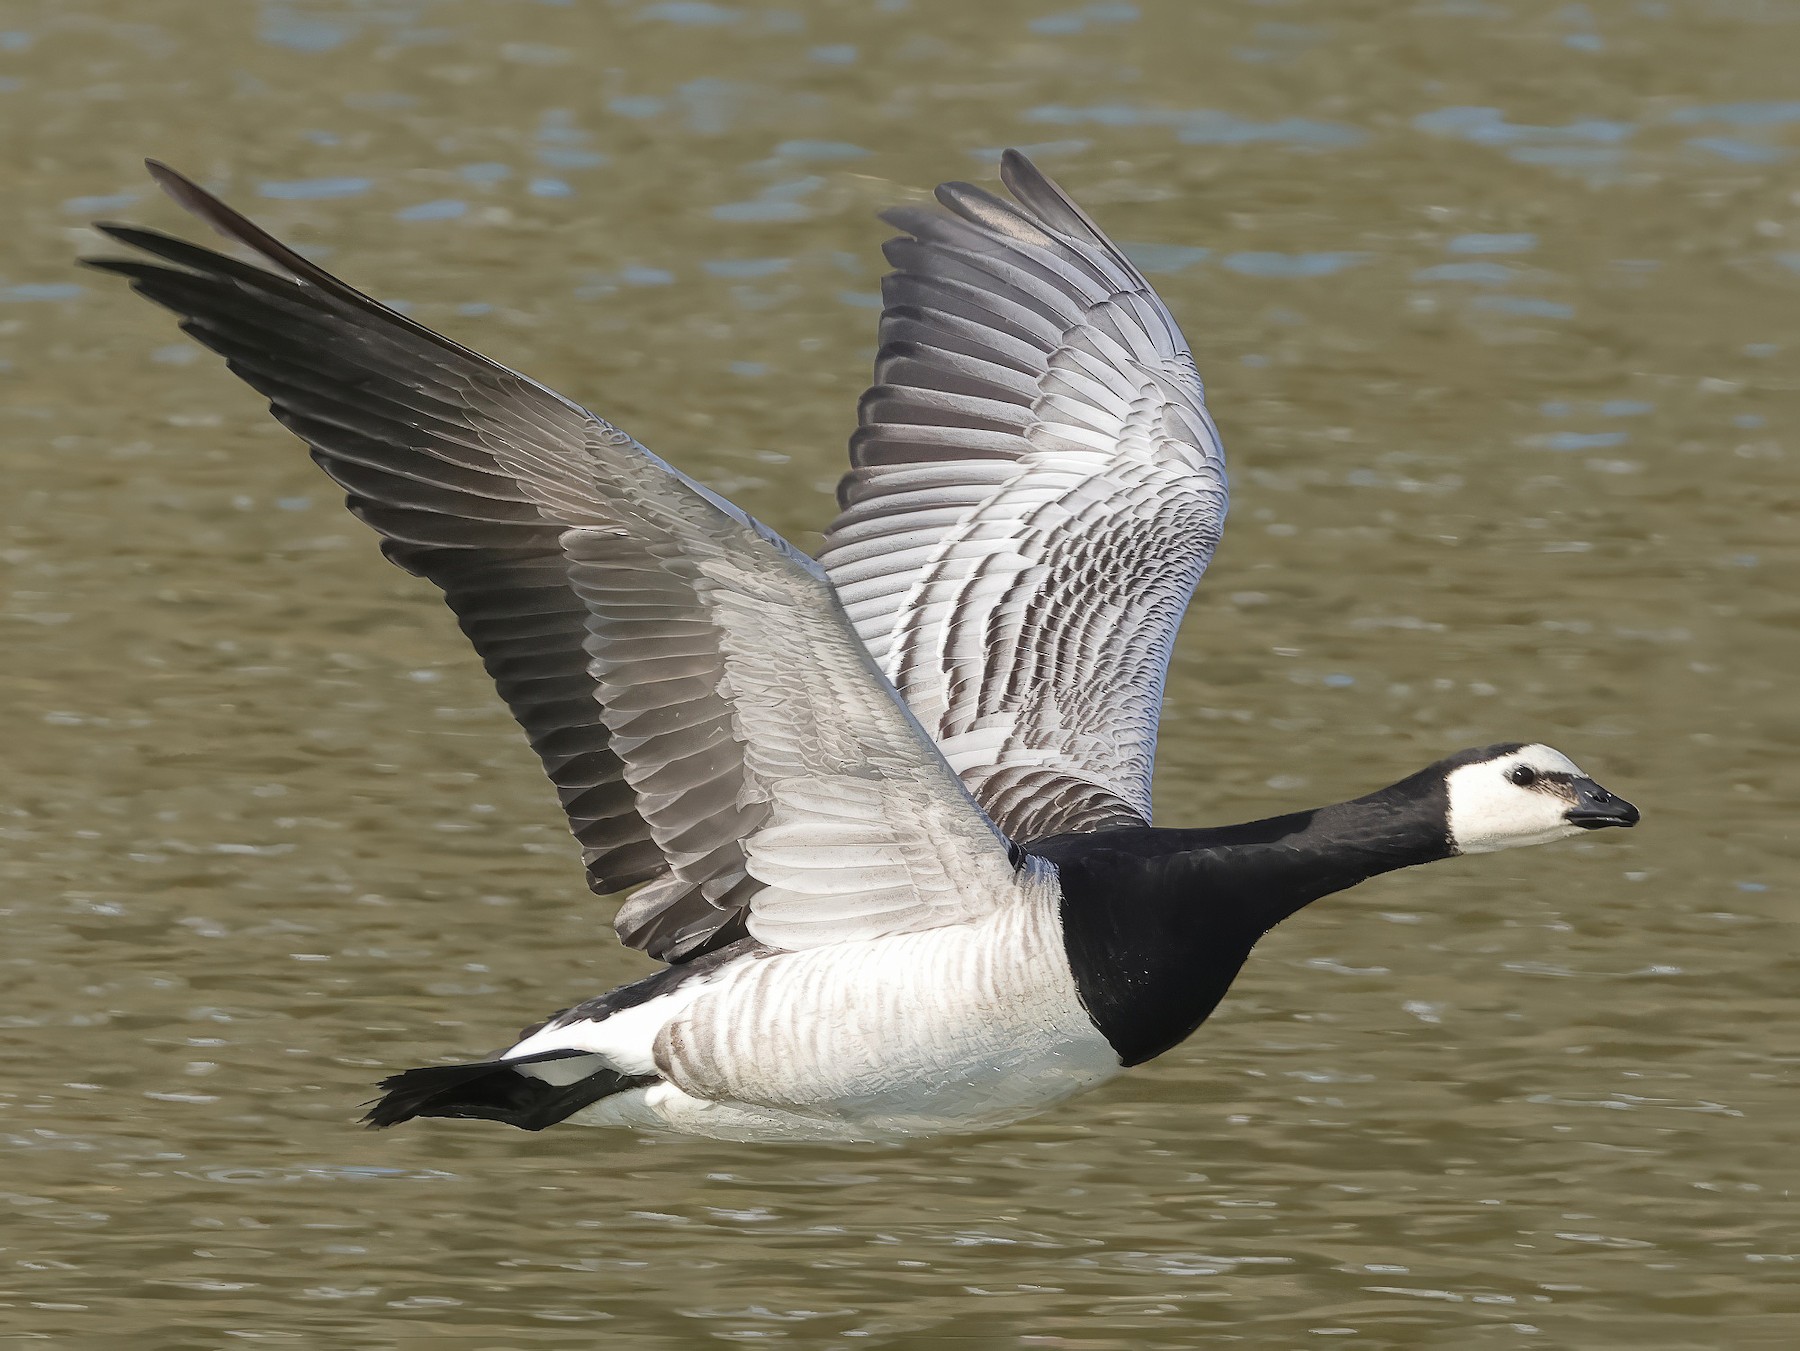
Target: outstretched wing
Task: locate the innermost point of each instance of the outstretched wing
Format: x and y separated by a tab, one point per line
1035	489
688	679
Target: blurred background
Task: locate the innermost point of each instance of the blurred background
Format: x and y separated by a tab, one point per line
1499	308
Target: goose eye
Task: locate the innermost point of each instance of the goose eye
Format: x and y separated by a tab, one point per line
1523	775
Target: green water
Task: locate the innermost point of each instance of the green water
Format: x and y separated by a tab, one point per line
1499	308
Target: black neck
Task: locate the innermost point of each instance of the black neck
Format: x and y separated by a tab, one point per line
1157	922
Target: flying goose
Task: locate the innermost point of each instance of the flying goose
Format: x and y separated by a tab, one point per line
888	812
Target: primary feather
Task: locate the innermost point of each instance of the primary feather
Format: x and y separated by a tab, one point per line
1035	490
714	724
862	944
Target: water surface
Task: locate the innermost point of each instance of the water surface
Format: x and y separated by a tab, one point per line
1497	307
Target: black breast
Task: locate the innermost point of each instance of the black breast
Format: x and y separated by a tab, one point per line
1152	946
1157	923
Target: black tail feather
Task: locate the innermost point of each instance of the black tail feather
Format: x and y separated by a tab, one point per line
494	1090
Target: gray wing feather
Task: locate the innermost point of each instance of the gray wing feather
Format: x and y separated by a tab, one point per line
689	680
1035	490
393	413
850	823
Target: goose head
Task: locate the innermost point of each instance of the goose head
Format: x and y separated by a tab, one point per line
1509	795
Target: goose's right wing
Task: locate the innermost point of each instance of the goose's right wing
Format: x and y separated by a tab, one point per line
1036	488
772	768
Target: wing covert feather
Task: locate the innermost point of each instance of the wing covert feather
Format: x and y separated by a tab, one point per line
1035	489
690	681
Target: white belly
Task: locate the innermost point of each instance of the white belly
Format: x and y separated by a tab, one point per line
953	1029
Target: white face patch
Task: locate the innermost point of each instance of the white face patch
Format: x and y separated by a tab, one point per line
1489	811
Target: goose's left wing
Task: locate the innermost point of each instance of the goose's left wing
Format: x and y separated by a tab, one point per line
854	824
1035	489
774	768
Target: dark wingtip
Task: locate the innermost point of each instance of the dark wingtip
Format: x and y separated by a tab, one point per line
114	265
134	235
947	193
1042	195
185	192
197	201
1016	166
161	172
119	233
240	229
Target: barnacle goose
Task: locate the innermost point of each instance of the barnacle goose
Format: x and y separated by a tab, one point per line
887	813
